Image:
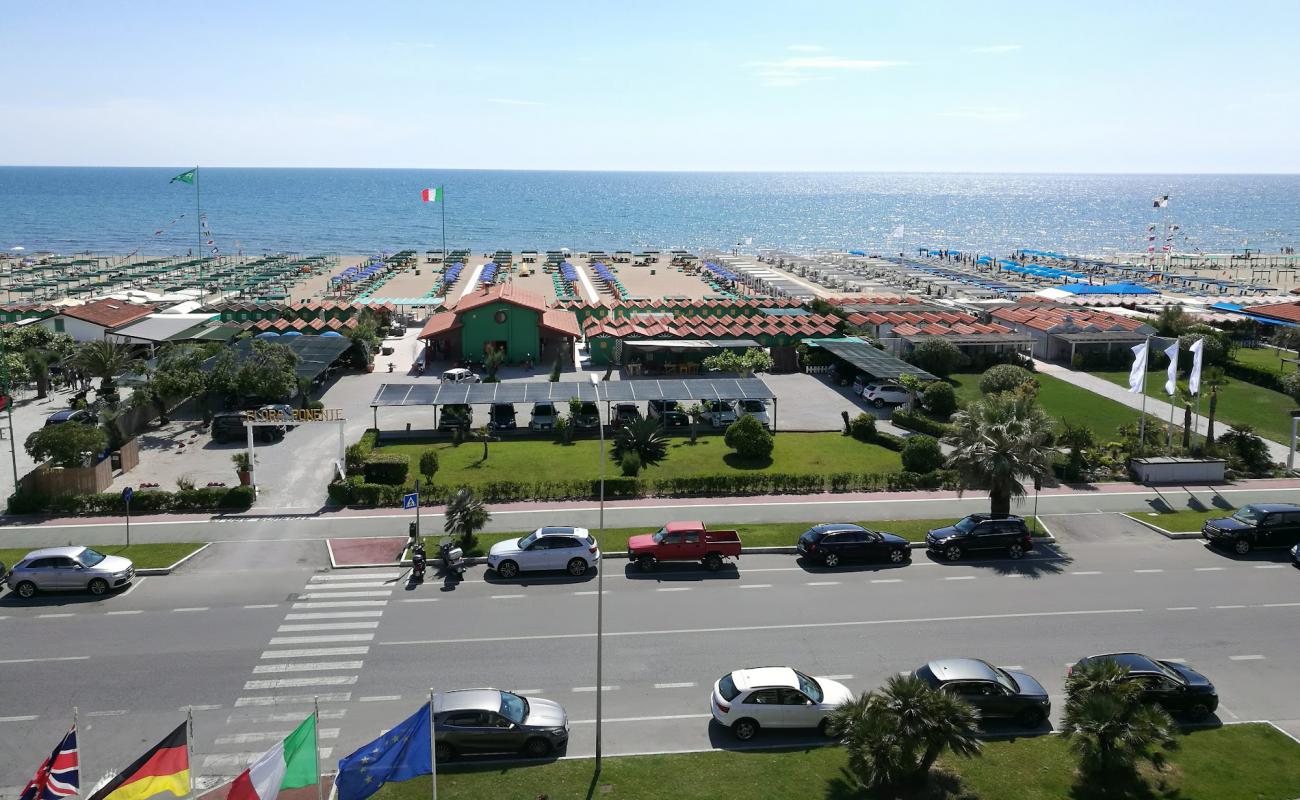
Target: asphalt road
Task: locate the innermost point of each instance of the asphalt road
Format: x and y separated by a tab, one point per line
249	633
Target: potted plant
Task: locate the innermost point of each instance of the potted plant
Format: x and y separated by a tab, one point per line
243	467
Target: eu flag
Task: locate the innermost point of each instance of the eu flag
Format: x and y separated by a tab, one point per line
399	755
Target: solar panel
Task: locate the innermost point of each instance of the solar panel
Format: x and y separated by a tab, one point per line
876	363
430	394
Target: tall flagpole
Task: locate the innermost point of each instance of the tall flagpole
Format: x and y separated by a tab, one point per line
189	743
442	190
320	792
81	751
1142	420
433	748
198	211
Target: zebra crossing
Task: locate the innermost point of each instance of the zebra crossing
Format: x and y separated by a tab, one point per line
315	656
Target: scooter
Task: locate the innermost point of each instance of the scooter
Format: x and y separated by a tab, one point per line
418	563
453	559
390	366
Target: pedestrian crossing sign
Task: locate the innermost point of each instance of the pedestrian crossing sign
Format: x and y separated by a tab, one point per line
410	500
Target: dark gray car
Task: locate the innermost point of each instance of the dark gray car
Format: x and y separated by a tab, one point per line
69	569
493	721
997	693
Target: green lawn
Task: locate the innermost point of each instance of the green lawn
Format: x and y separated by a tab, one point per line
543	459
145	556
1239	403
768	534
1181	521
1269	358
1237	761
1064	402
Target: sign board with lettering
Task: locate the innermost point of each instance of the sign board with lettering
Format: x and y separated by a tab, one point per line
298	416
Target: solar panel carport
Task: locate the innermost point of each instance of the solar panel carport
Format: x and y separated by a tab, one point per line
874	362
441	394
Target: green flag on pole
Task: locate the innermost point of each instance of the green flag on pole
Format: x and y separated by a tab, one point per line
186	177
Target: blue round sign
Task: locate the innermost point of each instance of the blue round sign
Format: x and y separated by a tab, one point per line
127	494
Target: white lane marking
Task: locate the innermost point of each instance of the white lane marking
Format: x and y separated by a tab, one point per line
887	580
337	595
263	605
356	576
336	615
756	586
116	713
328	626
379	698
271	736
673	589
53	616
342	637
1147	571
1254	657
43	660
836	677
27	718
1015	667
211	707
960	578
293	699
823	583
1271	566
316	652
1278	605
134	584
311	666
1181	608
344	604
122	613
297	683
419	599
641	719
506	596
347	587
291	716
1209	569
685	685
1230	606
1087	572
593	688
584	594
799	625
191	608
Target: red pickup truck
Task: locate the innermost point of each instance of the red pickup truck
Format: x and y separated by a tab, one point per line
684	541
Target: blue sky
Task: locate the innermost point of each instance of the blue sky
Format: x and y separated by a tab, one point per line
1042	86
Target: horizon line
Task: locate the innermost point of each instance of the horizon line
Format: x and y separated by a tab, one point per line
662	171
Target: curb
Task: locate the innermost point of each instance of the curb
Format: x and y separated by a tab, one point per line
1162	531
168	569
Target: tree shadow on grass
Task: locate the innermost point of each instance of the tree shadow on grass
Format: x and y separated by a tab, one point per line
941	785
736	461
1126	785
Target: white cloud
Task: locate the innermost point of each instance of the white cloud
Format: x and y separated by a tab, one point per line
805	48
832	63
996	49
510	101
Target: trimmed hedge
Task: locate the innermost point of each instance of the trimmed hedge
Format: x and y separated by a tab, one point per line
920	423
147	501
1249	373
389	469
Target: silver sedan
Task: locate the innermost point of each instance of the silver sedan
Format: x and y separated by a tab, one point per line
69	569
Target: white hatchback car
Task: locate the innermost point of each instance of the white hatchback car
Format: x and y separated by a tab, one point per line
753	408
878	394
748	700
573	550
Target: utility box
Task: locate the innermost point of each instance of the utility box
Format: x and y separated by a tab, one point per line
1164	469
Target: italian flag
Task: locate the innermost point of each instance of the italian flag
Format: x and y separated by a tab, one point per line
432	195
291	764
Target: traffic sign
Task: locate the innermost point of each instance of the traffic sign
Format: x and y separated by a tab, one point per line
127	494
411	500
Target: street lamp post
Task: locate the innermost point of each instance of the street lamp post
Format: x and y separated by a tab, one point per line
600	574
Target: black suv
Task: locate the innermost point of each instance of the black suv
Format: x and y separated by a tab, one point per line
981	532
456	415
1177	687
668	412
835	542
1255	525
501	417
229	427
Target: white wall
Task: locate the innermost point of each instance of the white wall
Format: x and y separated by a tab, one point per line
79	330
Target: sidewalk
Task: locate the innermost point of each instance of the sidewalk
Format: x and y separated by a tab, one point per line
1156	408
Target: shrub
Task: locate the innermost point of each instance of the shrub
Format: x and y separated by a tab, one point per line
27	503
1004	378
630	464
150	501
921	454
354	458
1290	385
65	444
916	421
1250	373
889	441
937	355
429	464
387	469
863	428
749	438
940	399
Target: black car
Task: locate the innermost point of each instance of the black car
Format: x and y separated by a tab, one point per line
625	414
1180	689
1295	555
455	415
69	415
832	543
587	417
981	532
501	417
1255	525
493	721
998	693
229	427
668	412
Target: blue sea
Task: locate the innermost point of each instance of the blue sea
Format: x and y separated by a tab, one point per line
358	211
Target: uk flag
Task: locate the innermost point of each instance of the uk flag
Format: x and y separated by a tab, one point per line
59	776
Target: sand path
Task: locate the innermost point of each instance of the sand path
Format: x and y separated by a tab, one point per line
473	280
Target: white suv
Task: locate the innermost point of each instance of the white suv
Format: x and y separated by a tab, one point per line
573	550
774	697
753	408
878	394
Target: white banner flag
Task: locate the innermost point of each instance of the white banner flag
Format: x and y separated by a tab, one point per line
1137	376
1194	380
1171	383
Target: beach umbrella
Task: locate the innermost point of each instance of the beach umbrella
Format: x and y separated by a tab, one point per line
18	249
332	333
267	335
287	334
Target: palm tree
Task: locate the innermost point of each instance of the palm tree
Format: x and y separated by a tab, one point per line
694	412
38	362
1186	398
484	434
1078	438
998	442
103	359
913	385
643	437
893	736
1107	723
464	515
1212	378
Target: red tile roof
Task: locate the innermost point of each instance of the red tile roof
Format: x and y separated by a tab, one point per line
560	321
1055	317
500	292
438	324
734	327
1287	312
109	314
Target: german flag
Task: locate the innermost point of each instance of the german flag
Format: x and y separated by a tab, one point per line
165	768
